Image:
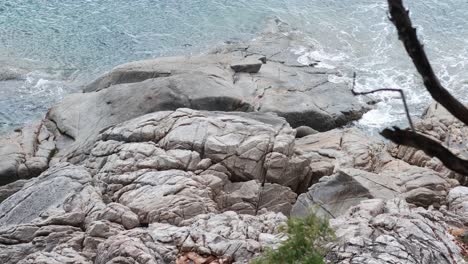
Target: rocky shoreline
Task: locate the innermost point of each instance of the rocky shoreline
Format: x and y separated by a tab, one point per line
203	158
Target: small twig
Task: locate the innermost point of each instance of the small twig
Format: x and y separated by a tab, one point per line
390	90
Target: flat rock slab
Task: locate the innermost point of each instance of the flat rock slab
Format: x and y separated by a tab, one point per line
42	199
228	79
264	75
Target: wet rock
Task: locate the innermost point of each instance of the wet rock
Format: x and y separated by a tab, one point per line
11	73
229	79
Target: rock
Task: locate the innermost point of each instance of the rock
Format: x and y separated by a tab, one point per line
118	213
26	153
11	73
49	244
125	249
225	80
332	196
439	125
9	189
419	186
250	65
378	231
303	131
360	168
228	235
171	166
192	257
278	42
457	200
250	197
241	146
149	182
342	148
61	195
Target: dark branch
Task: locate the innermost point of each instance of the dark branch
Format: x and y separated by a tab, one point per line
431	147
407	34
391	90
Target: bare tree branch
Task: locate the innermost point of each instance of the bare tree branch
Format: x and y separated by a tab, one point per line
407	34
429	146
391	90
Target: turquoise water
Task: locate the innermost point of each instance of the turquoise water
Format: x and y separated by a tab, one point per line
61	44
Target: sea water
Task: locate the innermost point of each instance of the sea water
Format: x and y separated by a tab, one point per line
62	44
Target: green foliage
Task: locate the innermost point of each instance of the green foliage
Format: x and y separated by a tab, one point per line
306	242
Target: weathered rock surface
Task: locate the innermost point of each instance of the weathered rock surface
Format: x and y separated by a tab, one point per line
158	188
334	195
11	188
443	127
378	231
358	168
457	200
342	148
229	79
228	234
128	174
11	73
26	153
61	195
235	77
198	162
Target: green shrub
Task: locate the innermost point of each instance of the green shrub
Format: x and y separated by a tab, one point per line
306	242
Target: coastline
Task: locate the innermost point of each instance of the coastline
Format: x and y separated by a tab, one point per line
163	158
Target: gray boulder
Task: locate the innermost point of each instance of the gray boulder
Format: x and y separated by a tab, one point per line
333	195
25	153
160	188
235	237
378	231
438	124
227	79
171	166
9	189
342	148
61	195
351	166
303	97
457	200
187	143
11	73
261	76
